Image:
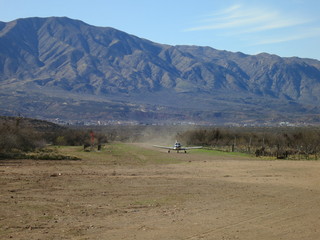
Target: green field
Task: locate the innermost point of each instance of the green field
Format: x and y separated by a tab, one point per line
120	154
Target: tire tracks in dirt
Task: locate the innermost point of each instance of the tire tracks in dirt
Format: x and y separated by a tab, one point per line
205	234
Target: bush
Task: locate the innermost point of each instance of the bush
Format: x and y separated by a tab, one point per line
75	137
277	142
14	138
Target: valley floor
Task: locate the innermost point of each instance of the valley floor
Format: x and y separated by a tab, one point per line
131	191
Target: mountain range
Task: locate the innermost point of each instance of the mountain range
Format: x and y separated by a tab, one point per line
64	68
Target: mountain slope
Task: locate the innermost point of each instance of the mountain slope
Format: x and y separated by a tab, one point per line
53	67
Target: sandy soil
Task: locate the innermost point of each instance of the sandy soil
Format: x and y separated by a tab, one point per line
200	196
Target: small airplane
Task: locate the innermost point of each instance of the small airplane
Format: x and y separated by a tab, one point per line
178	147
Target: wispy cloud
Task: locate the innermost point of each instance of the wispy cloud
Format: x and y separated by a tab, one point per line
239	19
308	33
231	21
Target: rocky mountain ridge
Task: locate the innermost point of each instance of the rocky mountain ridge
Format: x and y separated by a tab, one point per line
60	67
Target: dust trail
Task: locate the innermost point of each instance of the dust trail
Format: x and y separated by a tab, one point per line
163	135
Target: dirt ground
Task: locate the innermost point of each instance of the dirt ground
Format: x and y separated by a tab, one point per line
144	193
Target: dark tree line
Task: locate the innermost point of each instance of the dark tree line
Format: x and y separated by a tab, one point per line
15	136
277	142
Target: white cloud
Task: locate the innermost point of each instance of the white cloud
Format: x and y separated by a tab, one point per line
240	19
233	21
307	33
228	10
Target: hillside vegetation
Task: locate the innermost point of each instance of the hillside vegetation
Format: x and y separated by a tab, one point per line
20	136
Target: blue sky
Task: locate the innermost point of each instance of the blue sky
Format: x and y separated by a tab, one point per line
283	27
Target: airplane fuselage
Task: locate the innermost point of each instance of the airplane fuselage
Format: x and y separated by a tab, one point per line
177	147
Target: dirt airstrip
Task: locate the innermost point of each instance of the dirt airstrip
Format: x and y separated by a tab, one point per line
135	192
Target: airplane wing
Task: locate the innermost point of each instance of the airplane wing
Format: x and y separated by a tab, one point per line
188	148
170	148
